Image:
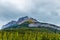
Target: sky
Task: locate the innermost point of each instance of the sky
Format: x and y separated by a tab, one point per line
43	10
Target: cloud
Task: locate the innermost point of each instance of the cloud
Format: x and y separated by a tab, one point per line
42	10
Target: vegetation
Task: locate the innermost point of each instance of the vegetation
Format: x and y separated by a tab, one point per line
29	34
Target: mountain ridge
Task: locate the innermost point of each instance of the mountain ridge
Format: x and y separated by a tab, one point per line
30	22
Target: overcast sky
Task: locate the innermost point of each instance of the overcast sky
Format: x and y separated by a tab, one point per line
42	10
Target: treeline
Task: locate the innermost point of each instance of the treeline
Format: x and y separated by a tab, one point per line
28	35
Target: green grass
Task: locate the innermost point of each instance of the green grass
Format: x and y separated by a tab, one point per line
29	34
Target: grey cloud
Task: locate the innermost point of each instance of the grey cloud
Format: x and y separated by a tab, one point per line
42	10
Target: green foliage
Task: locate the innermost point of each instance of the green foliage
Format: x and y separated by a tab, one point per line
28	34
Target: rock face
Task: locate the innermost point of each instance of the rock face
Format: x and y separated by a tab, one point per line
9	24
22	19
30	22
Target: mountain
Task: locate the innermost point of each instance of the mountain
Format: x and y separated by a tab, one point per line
19	22
28	22
9	24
